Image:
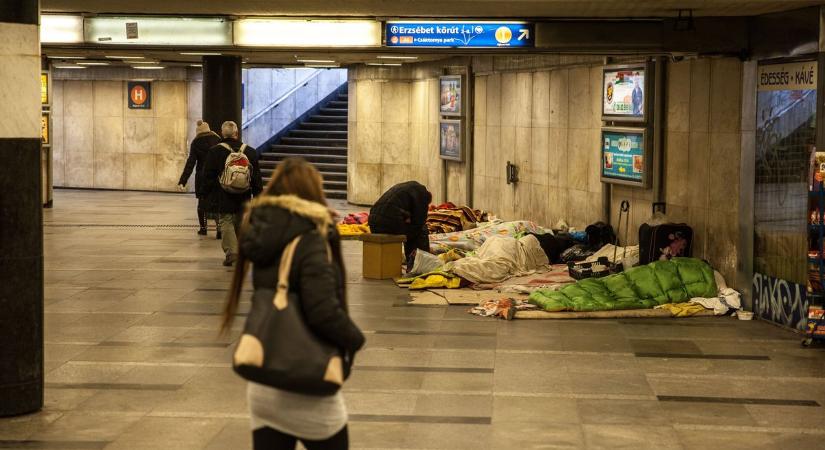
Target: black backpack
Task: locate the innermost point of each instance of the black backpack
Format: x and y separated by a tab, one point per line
599	234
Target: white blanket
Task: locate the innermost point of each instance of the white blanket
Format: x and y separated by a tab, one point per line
499	258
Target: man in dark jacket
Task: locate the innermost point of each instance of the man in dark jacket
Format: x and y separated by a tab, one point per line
226	205
204	140
403	210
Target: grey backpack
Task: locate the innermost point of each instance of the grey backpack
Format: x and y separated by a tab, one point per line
236	177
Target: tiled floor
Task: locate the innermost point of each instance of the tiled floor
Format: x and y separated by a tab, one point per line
134	361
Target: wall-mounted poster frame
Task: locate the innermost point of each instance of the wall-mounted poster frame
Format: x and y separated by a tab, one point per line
623	80
451	140
45	128
626	156
45	88
451	95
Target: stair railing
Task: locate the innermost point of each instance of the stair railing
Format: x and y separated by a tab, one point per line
281	99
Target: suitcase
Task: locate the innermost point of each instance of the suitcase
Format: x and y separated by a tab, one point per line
665	241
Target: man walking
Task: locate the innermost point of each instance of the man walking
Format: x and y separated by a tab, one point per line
232	177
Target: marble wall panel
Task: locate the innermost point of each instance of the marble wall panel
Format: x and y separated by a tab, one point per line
168	168
540	99
509	99
79	169
368	107
699	168
521	154
170	137
139	170
493	82
395	143
108	134
581	108
108	170
723	186
78	98
559	95
479	150
78	134
539	155
679	178
578	159
480	101
368	142
678	96
725	90
108	98
395	102
700	95
493	152
169	99
523	101
139	135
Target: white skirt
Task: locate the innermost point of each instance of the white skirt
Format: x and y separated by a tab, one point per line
304	416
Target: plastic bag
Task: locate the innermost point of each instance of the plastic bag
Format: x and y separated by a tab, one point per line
424	262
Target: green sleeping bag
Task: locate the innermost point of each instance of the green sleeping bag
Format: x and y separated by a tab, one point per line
674	281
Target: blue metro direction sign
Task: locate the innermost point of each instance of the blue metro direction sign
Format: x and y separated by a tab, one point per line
459	34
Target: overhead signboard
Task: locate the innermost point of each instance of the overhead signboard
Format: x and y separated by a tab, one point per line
625	156
140	94
796	76
459	34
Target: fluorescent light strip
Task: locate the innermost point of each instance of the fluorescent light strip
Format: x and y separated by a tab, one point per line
148	61
195	65
307	33
148	67
92	63
384	64
165	31
65	57
200	53
61	29
322	66
396	57
68	67
124	57
316	61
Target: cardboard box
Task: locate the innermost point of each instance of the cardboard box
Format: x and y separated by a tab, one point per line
382	256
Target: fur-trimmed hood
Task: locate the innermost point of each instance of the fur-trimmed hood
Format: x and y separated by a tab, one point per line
273	221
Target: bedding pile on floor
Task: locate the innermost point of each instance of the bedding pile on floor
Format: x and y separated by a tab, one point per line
448	218
500	258
470	240
674	281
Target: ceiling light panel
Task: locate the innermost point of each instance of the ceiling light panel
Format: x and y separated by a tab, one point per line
61	29
177	31
307	33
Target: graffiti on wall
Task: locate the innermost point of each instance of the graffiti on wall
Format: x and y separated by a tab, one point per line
780	301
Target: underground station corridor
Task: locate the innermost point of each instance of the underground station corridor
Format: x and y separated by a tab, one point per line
412	225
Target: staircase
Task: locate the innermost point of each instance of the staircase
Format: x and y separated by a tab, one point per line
321	139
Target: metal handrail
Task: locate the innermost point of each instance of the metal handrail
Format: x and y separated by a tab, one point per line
280	99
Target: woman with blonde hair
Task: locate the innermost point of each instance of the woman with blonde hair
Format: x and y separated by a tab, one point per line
295	251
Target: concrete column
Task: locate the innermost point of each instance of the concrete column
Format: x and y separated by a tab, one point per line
21	216
221	90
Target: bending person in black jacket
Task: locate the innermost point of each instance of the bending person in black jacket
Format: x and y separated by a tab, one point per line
226	205
292	205
198	150
403	210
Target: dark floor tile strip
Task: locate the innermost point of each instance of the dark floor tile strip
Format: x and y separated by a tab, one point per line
420	419
196	313
701	356
424	369
165	344
434	333
737	401
674	323
53	444
116	386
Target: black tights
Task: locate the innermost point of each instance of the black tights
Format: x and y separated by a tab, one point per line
266	438
202	218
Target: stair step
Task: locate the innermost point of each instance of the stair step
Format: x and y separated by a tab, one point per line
338	104
334	176
328	119
334	111
299	150
323	167
313	158
321	142
318	134
322	126
336	194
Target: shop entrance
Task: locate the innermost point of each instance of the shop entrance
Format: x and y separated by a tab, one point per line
788	194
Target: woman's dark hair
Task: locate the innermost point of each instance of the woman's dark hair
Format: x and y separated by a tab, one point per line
293	176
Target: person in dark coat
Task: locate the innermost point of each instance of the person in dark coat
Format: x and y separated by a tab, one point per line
293	205
204	140
403	210
225	205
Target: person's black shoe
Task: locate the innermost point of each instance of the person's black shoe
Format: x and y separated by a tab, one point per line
230	259
219	235
202	232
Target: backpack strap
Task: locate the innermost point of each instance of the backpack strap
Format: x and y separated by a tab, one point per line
243	148
232	150
226	146
281	294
